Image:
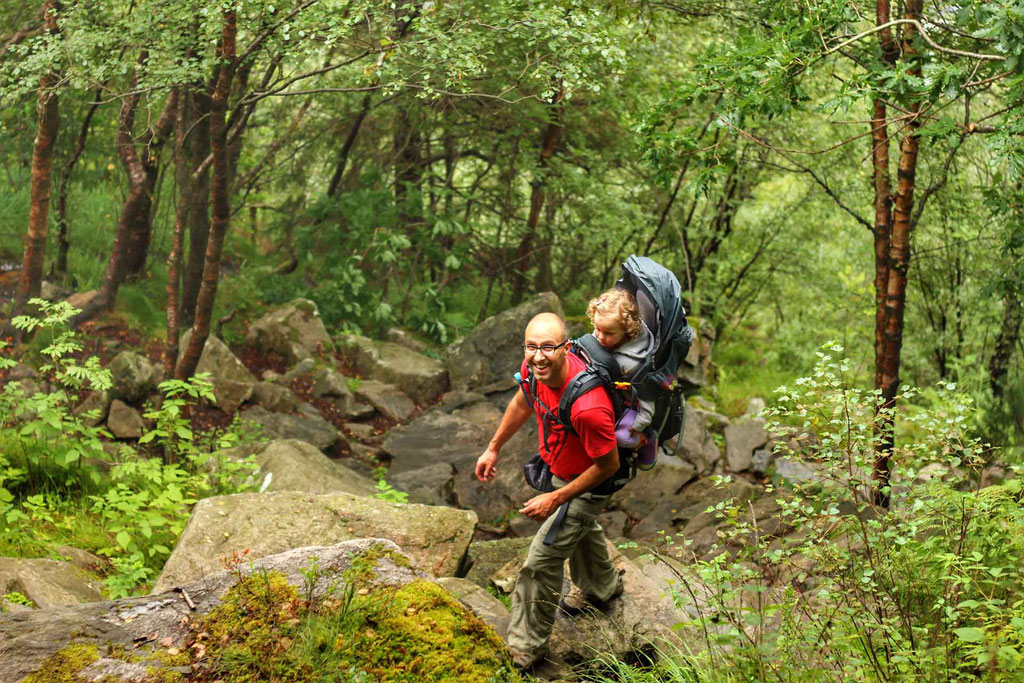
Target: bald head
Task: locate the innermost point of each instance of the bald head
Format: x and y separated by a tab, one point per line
548	327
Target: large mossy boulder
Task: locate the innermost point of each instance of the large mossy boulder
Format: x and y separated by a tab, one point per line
48	583
422	378
294	331
148	635
232	382
436	538
492	352
293	465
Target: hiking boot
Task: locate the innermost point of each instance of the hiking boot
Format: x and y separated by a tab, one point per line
576	602
525	661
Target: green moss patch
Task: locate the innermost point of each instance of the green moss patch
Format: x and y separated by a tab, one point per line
63	666
263	630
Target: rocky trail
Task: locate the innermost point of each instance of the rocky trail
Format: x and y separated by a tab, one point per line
332	408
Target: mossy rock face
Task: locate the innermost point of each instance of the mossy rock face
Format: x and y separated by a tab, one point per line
265	629
147	635
65	664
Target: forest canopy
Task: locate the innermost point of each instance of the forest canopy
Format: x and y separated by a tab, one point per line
827	170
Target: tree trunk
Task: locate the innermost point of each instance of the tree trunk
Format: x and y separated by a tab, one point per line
1009	333
183	178
551	136
220	192
197	148
144	171
898	266
63	244
47	123
346	147
408	170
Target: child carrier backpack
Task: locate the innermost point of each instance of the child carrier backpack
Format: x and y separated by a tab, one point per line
658	297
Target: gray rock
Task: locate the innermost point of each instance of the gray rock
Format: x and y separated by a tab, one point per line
430	485
641	497
698	447
521	526
293	465
274	398
360	411
741	440
643	620
762	460
435	538
795	471
21	371
487	557
695	368
755	406
305	368
405	338
421	378
232	382
123	421
389	400
437	436
481	603
48	583
133	376
492	352
98	401
142	625
295	331
364	432
675	512
310	427
614	523
82	300
82	559
330	382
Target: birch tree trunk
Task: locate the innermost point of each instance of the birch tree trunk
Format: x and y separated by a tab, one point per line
220	192
47	123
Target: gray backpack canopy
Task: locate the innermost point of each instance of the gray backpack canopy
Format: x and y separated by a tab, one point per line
659	298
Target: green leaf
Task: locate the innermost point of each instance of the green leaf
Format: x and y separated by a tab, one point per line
124	539
970	634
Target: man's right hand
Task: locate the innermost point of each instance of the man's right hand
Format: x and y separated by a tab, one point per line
486	465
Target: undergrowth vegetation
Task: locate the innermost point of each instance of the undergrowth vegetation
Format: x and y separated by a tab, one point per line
931	588
64	481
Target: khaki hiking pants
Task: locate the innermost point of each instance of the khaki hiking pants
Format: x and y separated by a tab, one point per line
539	584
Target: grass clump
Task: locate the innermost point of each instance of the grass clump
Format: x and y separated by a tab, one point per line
265	630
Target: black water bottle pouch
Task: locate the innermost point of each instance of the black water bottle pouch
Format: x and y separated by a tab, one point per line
538	474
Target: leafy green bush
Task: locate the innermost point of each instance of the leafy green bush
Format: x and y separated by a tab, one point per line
58	482
932	587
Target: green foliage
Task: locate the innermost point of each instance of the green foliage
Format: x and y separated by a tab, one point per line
930	587
58	481
387	492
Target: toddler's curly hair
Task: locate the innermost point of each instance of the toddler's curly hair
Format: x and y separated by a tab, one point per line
622	306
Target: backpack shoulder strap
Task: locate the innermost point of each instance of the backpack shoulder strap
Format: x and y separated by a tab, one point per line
602	371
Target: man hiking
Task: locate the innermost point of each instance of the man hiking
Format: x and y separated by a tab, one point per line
580	459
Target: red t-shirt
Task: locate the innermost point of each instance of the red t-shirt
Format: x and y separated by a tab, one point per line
592	417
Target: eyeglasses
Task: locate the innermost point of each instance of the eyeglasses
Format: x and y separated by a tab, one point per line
546	349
